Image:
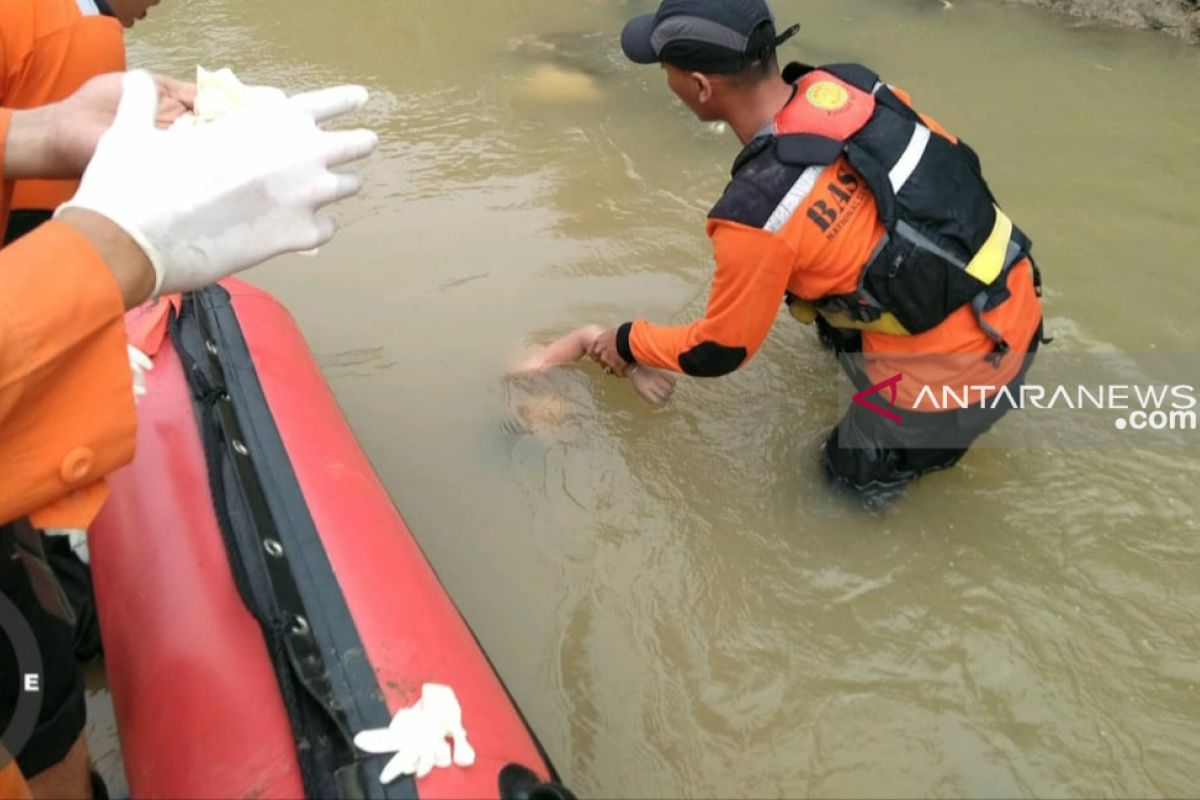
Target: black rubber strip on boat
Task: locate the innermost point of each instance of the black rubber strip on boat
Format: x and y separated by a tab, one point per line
278	561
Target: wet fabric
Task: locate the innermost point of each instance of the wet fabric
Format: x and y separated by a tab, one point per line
874	457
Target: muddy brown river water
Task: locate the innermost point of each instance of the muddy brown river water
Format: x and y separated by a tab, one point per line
672	596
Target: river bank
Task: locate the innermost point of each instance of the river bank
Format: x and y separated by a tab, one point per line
1178	17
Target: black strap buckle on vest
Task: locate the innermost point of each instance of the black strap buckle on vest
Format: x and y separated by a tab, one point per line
1037	274
1002	347
860	306
1037	288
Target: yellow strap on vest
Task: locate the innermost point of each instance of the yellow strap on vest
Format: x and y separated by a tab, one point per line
802	310
985	267
887	323
806	312
988	263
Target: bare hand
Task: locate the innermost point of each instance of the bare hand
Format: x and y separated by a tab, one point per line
83	117
604	351
655	387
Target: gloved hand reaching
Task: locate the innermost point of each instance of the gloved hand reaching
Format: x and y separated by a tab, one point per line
212	200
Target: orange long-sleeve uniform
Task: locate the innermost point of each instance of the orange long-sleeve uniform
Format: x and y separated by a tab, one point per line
66	400
49	48
820	252
66	406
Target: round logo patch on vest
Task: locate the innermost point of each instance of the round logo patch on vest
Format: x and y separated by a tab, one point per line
827	96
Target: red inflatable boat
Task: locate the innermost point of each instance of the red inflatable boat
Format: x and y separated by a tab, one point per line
261	601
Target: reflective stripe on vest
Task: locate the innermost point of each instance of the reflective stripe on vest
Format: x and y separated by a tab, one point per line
88	8
792	201
910	158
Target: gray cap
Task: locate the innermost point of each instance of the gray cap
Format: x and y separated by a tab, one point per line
704	35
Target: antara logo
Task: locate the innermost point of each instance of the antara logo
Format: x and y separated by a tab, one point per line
890	384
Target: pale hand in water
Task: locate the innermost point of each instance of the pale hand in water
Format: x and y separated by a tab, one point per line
533	363
654	386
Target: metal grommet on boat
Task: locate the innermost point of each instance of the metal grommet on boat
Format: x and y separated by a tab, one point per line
239	448
210	346
300	626
273	547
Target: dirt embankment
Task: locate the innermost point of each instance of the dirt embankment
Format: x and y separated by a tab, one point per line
1178	17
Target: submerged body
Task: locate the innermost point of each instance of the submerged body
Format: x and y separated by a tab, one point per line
561	68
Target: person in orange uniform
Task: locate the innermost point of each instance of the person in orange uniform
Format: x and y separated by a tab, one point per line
66	400
51	48
62	360
865	216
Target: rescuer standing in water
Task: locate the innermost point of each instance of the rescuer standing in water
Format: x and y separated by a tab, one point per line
866	217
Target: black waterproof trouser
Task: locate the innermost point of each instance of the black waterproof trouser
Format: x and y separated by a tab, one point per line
875	457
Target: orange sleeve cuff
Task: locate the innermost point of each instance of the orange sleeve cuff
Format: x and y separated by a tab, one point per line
66	401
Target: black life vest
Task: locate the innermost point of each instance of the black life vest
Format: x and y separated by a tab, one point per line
947	243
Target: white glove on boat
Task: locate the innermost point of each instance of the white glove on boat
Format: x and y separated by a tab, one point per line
212	200
417	737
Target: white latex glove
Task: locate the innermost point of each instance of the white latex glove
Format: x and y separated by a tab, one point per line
216	199
417	737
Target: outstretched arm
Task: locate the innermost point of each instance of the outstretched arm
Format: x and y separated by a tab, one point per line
566	350
753	269
654	386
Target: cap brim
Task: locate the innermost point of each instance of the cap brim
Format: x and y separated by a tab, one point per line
635	40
